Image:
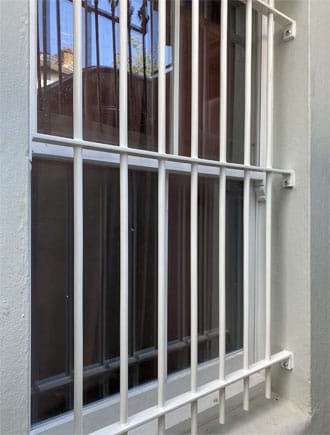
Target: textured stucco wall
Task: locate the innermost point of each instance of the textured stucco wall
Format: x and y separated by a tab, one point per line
291	213
14	219
301	231
320	215
301	238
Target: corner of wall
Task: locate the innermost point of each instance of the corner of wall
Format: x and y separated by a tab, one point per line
14	218
291	208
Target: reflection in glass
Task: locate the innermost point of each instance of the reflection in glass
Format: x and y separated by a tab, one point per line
101	61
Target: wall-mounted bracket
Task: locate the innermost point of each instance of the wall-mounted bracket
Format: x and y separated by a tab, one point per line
288	363
289	180
290	32
260	191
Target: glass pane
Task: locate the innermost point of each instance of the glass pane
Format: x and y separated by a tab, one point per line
101	60
52	286
101	71
208	260
55	67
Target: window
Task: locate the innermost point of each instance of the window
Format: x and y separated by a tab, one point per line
152	206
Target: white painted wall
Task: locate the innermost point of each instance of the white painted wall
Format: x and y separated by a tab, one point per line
14	219
291	209
300	233
301	292
320	215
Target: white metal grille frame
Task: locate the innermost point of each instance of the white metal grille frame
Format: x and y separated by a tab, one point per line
126	157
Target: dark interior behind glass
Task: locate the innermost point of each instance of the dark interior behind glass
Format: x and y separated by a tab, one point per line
52	199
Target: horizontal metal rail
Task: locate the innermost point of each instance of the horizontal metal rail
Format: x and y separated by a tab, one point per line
190	397
88	145
266	9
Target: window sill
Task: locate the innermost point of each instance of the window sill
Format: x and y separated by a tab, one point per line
275	416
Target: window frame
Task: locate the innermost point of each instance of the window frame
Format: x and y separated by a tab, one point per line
51	150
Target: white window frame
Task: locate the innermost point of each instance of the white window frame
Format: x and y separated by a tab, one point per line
206	383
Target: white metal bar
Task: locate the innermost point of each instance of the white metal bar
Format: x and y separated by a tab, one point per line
176	78
246	203
246	285
223	80
162	294
77	72
194	212
89	145
123	144
78	219
194	291
194	77
189	397
248	63
268	225
33	70
222	289
78	291
222	204
161	76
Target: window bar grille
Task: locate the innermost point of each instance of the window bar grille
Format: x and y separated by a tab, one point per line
78	144
162	291
194	212
78	219
123	144
246	199
222	205
268	226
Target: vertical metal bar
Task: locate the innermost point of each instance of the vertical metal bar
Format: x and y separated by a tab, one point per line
114	57
246	200
194	211
162	294
248	62
222	204
268	255
194	291
123	215
176	79
44	42
35	77
98	77
246	284
59	54
78	219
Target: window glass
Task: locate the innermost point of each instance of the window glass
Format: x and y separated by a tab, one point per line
101	61
55	67
52	282
52	197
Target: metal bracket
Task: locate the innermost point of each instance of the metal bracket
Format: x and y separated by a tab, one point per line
260	191
290	32
289	180
288	363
